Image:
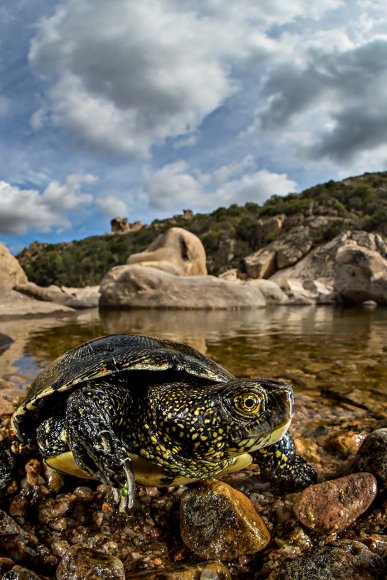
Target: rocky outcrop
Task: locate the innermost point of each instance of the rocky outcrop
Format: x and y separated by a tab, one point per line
121	225
15	304
11	273
72	297
177	252
360	272
135	286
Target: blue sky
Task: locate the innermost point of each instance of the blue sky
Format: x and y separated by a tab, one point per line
143	109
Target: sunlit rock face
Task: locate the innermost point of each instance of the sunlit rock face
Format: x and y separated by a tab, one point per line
177	251
136	286
11	273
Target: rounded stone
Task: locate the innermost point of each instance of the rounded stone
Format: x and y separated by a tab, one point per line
219	522
334	505
340	560
80	562
372	456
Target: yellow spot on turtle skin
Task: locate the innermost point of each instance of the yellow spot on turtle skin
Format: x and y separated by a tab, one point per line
215	435
194	436
278	453
181	434
203	437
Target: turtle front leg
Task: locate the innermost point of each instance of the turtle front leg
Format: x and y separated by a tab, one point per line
94	415
280	464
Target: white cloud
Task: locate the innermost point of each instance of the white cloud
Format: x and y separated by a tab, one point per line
112	206
176	187
23	209
124	76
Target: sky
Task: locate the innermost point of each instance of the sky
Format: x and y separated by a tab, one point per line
143	109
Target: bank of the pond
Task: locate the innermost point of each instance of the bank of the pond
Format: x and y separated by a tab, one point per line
60	526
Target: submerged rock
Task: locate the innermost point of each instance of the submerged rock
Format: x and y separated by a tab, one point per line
334	505
372	456
217	521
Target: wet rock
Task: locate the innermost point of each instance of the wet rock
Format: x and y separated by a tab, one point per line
214	570
372	456
20	573
8	526
347	443
377	543
334	505
219	522
342	560
5	342
80	562
5	565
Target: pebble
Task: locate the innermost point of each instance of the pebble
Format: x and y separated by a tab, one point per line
8	526
20	573
219	522
347	443
342	560
334	505
372	456
79	563
211	570
55	480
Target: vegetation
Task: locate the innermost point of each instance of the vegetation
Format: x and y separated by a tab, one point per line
358	202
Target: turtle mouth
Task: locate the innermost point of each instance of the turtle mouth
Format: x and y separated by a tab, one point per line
252	441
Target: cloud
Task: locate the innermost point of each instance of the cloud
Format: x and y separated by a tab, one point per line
23	209
334	99
175	187
126	76
112	205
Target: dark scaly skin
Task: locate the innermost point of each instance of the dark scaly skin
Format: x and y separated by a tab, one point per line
280	464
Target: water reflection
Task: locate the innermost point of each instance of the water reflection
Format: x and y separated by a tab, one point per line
308	345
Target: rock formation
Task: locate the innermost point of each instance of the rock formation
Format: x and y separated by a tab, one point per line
11	272
177	252
121	225
136	286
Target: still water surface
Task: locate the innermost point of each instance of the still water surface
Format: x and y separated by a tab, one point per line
310	346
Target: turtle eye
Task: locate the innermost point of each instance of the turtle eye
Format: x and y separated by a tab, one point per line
248	403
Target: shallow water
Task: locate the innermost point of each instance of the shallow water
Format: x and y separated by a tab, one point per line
310	346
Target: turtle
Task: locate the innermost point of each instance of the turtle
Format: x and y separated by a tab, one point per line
127	408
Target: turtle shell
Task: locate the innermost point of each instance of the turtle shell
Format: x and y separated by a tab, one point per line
104	357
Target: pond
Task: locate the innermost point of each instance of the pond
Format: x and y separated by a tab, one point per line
312	347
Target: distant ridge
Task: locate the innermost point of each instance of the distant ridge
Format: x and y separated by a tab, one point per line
228	234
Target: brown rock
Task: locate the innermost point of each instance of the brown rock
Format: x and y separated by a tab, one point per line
177	251
20	573
79	563
341	560
217	521
214	570
11	272
372	455
136	286
334	505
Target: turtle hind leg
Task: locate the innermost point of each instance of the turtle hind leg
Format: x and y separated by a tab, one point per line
93	417
280	464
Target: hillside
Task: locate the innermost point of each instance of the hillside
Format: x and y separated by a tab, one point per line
228	234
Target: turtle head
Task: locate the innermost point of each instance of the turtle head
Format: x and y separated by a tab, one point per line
257	413
224	420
